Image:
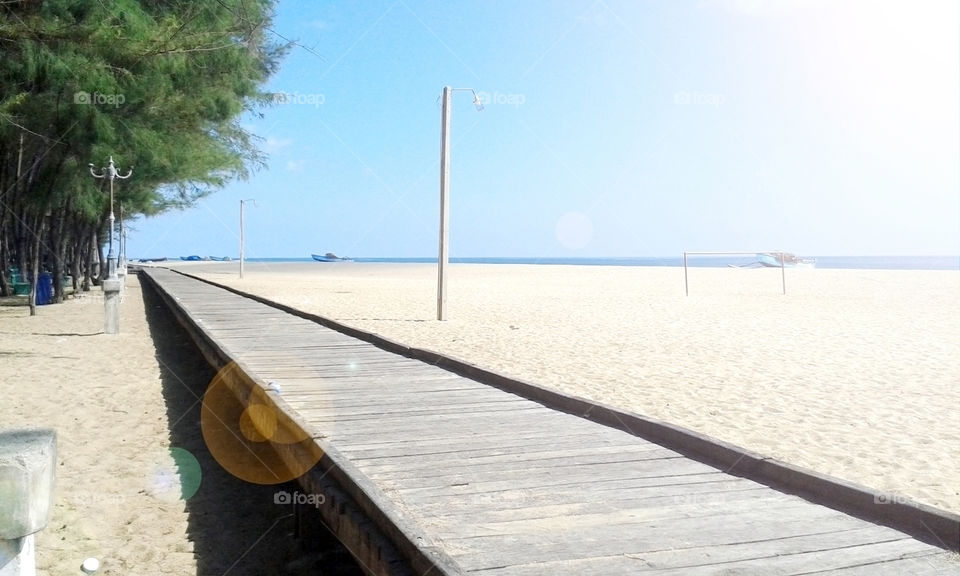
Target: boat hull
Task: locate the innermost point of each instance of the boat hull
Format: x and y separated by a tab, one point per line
788	260
321	258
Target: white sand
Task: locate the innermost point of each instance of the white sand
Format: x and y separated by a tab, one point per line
103	396
119	403
853	373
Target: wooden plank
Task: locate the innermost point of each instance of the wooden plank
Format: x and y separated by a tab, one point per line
537	508
526	504
490	444
575	478
436	395
467	436
554	540
629	516
555	461
405	382
934	564
490	441
713	558
332	411
519	455
427	424
818	561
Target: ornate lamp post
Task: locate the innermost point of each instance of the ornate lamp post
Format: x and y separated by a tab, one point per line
112	285
122	238
110	173
443	258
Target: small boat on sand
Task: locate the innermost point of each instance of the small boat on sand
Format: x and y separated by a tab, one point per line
786	259
330	257
193	258
220	258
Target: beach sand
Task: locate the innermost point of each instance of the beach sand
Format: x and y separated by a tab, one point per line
852	373
119	404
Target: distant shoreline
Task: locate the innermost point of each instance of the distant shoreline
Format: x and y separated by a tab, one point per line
826	262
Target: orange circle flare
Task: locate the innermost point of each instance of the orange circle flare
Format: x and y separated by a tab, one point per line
248	436
257	423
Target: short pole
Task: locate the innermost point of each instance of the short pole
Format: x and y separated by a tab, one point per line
242	204
111	304
241	239
783	273
686	282
122	263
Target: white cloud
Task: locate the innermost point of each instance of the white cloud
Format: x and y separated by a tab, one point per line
294	166
275	144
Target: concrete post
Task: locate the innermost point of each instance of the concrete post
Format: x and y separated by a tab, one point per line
111	303
28	464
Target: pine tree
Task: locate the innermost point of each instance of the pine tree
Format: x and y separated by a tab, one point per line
157	84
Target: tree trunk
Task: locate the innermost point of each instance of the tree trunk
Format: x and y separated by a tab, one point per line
91	246
5	288
58	249
76	249
23	244
103	264
35	263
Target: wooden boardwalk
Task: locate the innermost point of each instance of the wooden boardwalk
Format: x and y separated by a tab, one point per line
426	471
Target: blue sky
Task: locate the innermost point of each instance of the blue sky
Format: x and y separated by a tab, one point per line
610	129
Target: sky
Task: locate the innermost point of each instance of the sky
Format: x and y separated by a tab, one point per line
609	129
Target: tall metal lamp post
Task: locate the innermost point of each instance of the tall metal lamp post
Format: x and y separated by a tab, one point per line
122	240
111	286
110	173
242	202
443	258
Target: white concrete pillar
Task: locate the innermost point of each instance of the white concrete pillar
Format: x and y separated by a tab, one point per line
111	304
28	464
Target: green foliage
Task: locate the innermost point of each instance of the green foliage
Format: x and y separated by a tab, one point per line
157	84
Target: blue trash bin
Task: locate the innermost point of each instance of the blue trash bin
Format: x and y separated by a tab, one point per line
45	289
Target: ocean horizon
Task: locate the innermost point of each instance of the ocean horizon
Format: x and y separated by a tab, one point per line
829	262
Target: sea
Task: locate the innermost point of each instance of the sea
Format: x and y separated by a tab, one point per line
836	262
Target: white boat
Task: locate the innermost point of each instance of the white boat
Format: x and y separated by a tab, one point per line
785	259
330	257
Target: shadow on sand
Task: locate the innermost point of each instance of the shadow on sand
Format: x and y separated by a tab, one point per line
236	527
